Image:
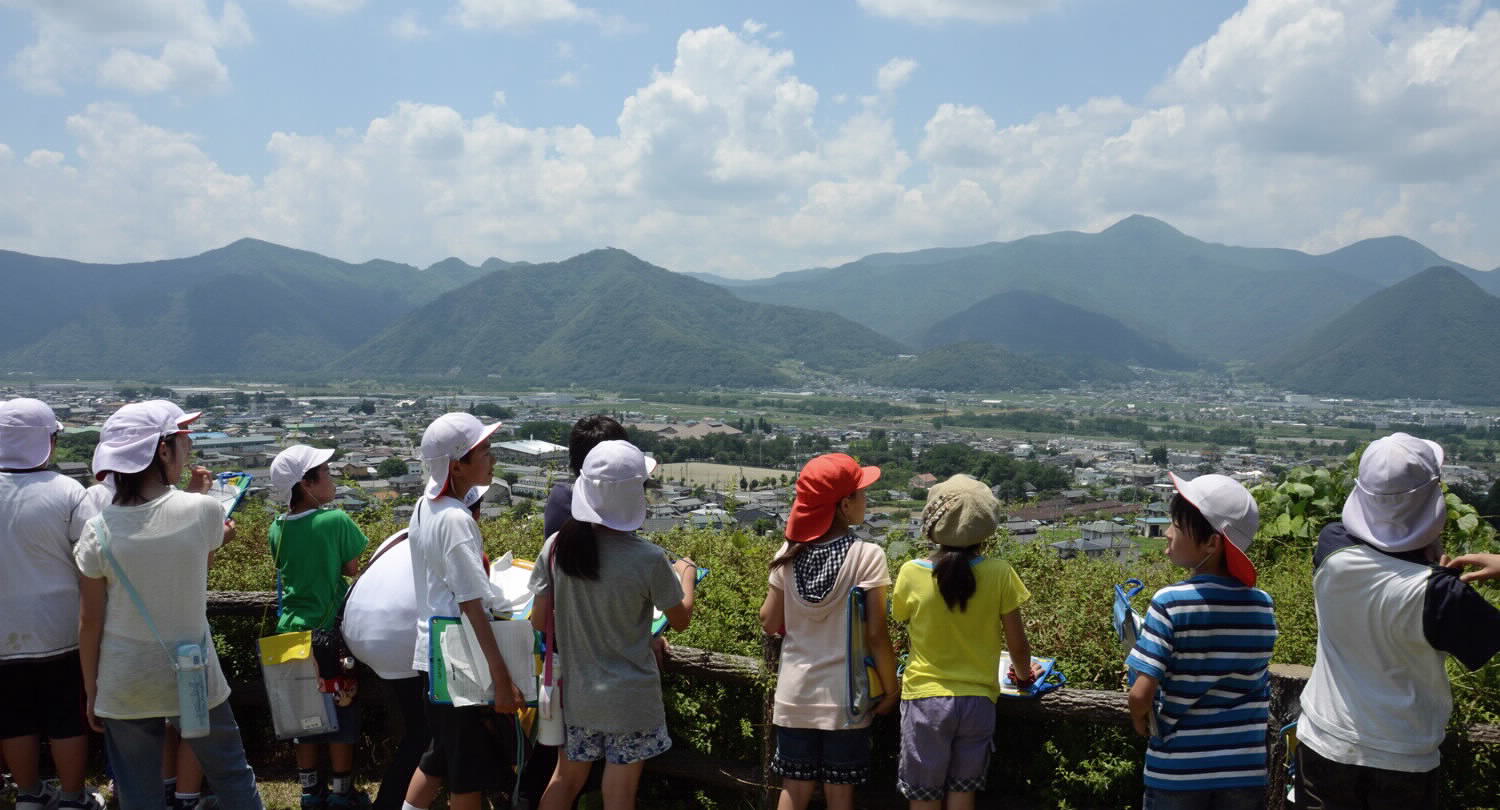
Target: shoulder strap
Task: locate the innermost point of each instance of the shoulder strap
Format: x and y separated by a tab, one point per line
549	633
102	530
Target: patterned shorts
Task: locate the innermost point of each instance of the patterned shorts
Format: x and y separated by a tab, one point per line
814	755
945	746
586	745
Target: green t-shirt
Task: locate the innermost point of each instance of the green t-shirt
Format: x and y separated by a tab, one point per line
955	653
310	550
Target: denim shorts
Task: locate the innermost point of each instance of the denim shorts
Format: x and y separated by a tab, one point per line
945	746
815	755
587	745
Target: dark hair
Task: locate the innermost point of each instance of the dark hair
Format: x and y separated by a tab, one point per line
791	554
128	486
1186	517
576	549
955	577
589	431
311	476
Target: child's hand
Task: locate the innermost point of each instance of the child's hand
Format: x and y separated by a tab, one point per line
200	480
1488	565
508	699
888	703
228	532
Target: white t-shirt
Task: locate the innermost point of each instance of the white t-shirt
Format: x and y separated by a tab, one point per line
95	498
447	565
38	581
163	546
380	618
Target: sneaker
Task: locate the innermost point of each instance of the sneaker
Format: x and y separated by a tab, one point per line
47	800
353	800
90	801
314	801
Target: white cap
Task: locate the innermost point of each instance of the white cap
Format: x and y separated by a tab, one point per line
475	495
611	487
26	428
291	464
448	438
1397	501
130	435
184	418
1231	510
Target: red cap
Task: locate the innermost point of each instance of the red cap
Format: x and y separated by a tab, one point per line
824	481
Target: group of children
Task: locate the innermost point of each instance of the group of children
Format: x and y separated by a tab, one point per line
97	586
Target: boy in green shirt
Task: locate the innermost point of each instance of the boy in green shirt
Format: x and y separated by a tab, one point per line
314	549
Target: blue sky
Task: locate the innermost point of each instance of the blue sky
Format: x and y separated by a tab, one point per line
740	138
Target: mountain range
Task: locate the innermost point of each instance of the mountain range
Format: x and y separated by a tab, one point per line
1042	311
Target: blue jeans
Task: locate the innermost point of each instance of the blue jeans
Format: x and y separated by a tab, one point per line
1226	799
134	750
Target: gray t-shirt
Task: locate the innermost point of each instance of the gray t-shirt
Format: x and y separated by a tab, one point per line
610	682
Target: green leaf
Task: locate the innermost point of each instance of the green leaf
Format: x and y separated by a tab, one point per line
1468	523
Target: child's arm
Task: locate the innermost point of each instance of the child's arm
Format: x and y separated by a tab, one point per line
1023	671
681	616
773	612
93	596
1142	699
878	639
507	697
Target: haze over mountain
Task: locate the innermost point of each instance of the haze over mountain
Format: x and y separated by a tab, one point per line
606	317
1210	300
248	307
976	366
1034	323
1435	335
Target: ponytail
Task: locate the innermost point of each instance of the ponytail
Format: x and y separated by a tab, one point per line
791	554
576	549
954	575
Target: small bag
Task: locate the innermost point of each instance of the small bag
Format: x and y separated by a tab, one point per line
863	682
298	707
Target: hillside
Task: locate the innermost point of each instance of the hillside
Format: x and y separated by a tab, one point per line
1227	302
249	307
1034	323
975	366
606	317
1435	335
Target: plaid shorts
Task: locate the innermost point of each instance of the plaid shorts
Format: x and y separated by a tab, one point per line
586	745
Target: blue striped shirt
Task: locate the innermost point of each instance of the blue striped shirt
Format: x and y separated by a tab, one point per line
1207	641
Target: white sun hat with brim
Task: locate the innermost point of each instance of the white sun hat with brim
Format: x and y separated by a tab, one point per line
292	464
1397	502
611	487
26	429
127	443
184	418
447	439
1231	510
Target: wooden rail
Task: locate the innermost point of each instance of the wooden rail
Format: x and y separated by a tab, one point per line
1079	705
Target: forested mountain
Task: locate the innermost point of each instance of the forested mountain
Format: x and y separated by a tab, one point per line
606	317
1034	323
1225	302
250	307
1435	335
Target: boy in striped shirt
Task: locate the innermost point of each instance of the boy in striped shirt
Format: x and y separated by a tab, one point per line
1201	690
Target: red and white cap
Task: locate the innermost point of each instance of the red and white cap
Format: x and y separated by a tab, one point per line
26	429
1231	510
449	438
128	440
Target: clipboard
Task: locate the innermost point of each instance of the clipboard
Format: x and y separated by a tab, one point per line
457	673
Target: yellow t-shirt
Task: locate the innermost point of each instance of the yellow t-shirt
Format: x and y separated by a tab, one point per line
955	654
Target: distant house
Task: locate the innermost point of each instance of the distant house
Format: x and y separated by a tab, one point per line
1101	539
687	430
530	451
1155	522
922	481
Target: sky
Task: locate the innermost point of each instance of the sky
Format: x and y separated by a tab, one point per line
740	138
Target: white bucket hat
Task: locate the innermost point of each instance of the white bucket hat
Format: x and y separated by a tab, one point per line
1397	501
1231	510
449	437
611	487
26	429
291	464
130	435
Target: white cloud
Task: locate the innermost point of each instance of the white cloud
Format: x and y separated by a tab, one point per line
521	13
723	161
498	98
328	6
935	11
408	26
110	40
751	28
567	79
893	74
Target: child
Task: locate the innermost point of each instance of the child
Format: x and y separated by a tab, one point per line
161	538
587	432
959	604
810	581
449	578
41	684
1204	649
600	581
1377	703
314	549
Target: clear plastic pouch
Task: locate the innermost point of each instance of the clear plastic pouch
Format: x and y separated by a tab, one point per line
298	708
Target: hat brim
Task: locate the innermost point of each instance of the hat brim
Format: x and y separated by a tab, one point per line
620	505
475	495
188	418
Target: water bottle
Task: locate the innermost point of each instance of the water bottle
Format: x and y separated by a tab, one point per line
192	691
